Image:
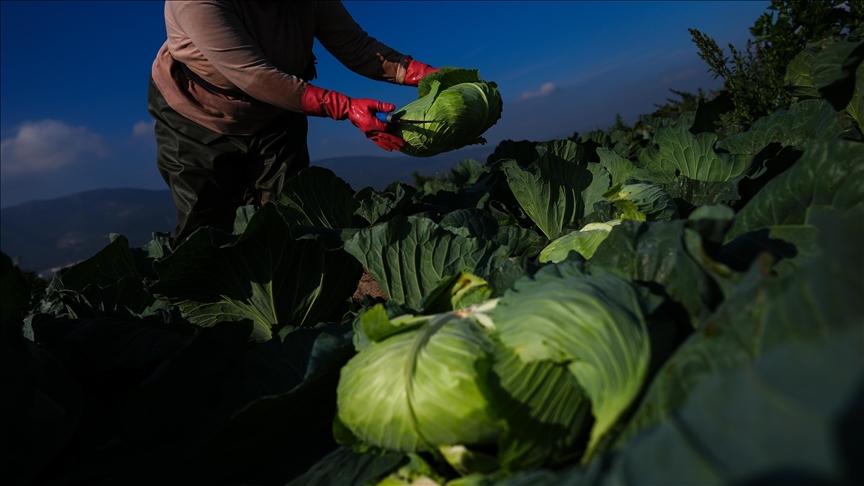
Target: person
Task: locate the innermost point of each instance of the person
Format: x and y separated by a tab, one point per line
230	93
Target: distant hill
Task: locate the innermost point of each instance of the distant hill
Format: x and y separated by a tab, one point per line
50	234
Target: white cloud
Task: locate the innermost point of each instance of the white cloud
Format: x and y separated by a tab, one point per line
48	145
143	128
545	90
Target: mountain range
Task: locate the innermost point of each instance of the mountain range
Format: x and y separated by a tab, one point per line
47	235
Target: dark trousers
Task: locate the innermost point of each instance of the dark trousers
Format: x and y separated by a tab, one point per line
211	175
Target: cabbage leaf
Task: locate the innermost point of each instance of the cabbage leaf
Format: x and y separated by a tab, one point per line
593	325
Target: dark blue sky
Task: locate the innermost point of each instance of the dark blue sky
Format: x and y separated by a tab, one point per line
73	79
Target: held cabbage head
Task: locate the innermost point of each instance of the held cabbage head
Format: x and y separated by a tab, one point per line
462	106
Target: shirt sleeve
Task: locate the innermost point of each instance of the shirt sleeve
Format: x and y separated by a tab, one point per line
337	32
219	34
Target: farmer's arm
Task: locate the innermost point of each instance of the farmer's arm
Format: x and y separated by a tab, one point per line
358	51
220	36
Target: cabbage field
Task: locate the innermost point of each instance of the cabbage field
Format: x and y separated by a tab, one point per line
676	302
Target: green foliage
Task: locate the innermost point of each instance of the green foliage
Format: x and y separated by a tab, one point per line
830	173
559	189
754	77
16	292
795	127
240	277
584	242
702	325
594	326
672	107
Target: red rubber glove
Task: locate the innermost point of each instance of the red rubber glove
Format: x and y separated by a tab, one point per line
415	72
359	111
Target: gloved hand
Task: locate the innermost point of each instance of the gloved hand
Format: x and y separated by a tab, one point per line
415	72
359	111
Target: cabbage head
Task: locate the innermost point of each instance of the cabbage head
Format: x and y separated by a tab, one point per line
462	105
418	384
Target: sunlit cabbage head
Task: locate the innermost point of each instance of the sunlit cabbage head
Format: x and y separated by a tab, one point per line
418	383
462	106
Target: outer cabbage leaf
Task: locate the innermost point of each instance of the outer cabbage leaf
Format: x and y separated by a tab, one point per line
421	388
833	71
701	193
829	173
793	417
127	296
782	420
472	224
456	292
792	244
521	241
856	104
467	172
679	152
547	413
377	207
112	280
820	298
798	80
671	254
252	444
584	242
254	276
409	256
642	202
559	189
461	106
108	266
619	168
793	127
593	325
524	152
476	195
317	197
376	324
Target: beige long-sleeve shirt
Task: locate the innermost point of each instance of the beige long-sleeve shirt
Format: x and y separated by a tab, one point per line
261	48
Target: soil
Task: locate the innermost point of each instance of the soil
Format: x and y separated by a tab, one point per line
368	286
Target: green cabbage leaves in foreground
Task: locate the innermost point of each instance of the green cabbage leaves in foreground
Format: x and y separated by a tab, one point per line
462	105
253	275
584	242
419	388
591	324
526	374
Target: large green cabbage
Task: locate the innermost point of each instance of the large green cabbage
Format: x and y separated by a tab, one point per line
462	105
525	372
418	384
